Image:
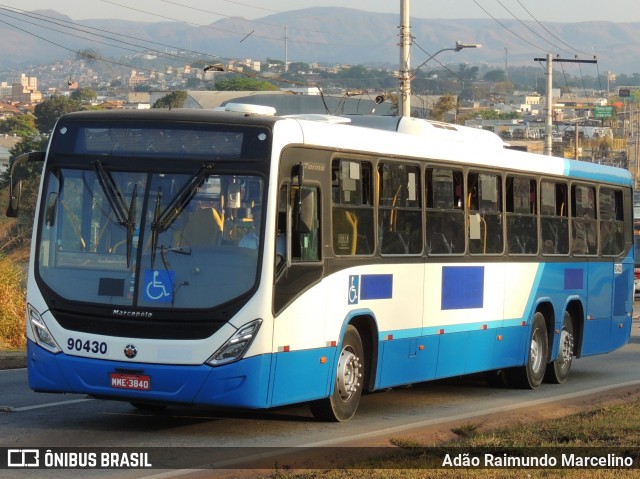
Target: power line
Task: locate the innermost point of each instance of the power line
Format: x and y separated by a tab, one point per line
507	28
77	52
183	21
549	31
44	18
92	39
178	4
92	30
439	62
529	28
209	27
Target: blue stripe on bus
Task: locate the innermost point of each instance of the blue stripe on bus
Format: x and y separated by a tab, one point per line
462	287
376	286
591	171
447	328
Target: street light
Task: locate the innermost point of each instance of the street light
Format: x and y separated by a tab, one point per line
406	111
459	46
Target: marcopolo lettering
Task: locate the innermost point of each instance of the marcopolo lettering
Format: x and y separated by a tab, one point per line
131	314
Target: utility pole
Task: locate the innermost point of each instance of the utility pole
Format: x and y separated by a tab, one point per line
506	64
404	102
286	50
548	141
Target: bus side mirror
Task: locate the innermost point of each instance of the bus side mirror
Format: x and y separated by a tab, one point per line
15	187
15	192
304	212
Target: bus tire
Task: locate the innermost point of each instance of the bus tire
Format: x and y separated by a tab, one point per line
341	405
530	375
558	370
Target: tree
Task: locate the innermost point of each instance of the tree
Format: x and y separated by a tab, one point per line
175	99
244	84
19	125
298	67
18	232
48	112
83	95
443	105
494	76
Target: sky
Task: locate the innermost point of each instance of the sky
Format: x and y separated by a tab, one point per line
203	12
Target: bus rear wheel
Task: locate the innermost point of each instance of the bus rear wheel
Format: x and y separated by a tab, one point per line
530	375
341	405
558	370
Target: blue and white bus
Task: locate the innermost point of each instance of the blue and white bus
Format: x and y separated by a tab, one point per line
246	260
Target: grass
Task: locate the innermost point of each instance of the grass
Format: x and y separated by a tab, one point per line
12	304
616	426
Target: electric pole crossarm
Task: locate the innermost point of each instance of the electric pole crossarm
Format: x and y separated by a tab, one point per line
548	141
566	60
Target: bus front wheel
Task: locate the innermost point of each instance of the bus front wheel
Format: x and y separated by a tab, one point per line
530	375
341	405
558	370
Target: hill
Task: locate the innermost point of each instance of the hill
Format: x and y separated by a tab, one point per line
330	35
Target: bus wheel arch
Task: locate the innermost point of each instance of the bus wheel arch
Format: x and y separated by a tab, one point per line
368	331
576	311
558	370
531	374
353	374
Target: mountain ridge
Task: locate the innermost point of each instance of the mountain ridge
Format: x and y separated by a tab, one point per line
331	35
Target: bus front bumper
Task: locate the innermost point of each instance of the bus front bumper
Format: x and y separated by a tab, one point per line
240	384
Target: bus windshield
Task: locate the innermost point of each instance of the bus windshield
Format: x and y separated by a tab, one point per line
149	239
124	224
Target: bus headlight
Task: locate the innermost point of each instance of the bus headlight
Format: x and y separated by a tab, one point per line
236	345
40	331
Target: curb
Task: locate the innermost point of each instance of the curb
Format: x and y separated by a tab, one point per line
13	359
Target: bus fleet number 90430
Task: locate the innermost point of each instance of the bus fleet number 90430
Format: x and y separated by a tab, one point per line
96	347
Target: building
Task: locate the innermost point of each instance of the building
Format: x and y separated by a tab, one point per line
24	89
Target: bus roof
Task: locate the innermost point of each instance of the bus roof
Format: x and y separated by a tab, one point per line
396	136
442	141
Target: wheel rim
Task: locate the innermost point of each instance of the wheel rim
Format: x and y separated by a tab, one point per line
349	374
566	349
536	353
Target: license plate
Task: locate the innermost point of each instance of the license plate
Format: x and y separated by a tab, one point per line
130	381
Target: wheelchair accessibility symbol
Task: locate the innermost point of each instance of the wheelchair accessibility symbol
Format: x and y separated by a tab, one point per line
158	286
354	289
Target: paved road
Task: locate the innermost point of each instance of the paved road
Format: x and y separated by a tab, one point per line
30	419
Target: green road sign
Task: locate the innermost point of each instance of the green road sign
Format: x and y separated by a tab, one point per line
603	112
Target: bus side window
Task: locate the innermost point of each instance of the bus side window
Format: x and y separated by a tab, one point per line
611	222
306	224
445	211
554	221
522	220
484	201
352	207
583	220
399	211
281	225
304	229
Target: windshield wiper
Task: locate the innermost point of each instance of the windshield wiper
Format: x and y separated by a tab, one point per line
131	223
163	220
154	226
125	215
